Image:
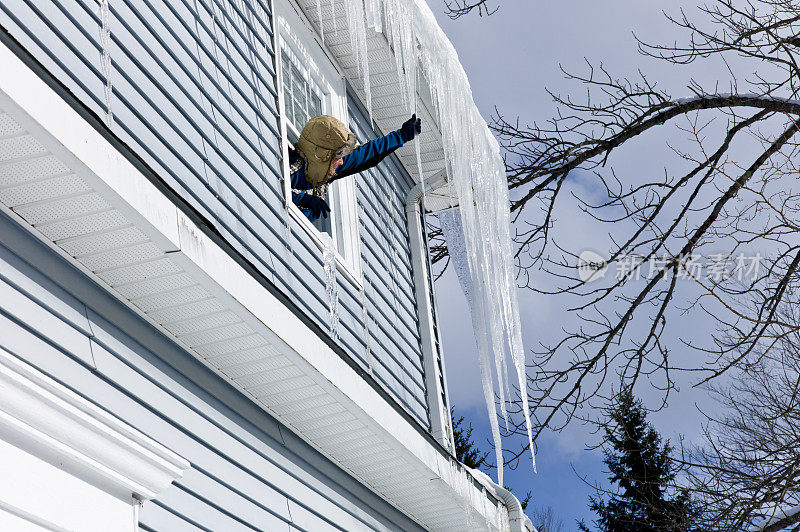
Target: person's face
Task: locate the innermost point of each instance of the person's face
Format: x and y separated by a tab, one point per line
335	166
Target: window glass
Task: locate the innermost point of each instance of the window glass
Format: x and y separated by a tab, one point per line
303	101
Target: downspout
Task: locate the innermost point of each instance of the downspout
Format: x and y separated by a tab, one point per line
433	365
517	520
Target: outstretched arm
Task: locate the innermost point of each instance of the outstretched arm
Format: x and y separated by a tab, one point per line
373	152
369	154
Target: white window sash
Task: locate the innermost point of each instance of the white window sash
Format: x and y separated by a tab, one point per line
327	82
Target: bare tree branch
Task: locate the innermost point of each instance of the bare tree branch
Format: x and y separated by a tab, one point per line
747	474
734	189
458	8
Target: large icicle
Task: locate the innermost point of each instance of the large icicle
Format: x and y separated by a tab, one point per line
476	175
450	222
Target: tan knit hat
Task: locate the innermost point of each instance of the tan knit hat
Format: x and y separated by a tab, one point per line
323	140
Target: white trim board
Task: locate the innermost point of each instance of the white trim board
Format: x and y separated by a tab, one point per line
67	464
38	496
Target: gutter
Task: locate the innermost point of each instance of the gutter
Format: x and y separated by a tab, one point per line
517	520
433	366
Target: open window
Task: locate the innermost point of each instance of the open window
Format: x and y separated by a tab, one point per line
311	85
303	99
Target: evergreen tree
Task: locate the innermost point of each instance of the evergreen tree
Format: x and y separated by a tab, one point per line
467	452
640	465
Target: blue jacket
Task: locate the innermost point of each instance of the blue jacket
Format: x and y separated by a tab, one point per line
362	158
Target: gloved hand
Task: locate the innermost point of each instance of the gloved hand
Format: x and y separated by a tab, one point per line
316	205
411	128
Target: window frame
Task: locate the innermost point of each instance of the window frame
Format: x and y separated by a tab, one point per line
296	38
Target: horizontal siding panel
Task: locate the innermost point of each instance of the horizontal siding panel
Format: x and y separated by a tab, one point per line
203	513
18	313
37	288
379	258
231	501
58	31
302	519
154	516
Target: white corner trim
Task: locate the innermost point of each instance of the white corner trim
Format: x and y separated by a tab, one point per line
35	496
50	421
441	424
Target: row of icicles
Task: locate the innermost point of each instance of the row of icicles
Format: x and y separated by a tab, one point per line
476	177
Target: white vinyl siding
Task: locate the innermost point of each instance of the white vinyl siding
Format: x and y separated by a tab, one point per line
247	471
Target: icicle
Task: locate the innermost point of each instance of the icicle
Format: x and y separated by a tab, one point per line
390	245
371	9
365	316
410	58
364	56
477	176
331	288
350	19
450	222
376	20
418	153
470	507
460	479
105	58
333	16
357	30
287	235
319	17
399	61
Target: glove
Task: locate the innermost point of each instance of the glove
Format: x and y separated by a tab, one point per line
411	128
315	205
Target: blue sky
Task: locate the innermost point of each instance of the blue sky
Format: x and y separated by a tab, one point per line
510	58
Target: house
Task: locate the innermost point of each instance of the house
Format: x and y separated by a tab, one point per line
180	348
